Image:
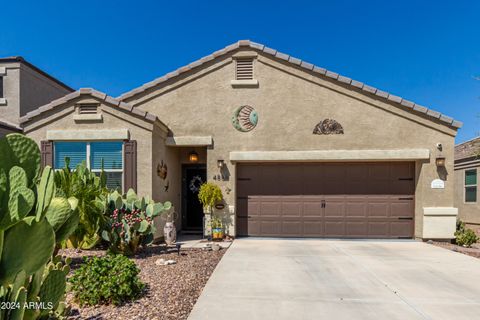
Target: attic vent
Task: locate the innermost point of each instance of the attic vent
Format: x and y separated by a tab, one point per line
87	109
244	69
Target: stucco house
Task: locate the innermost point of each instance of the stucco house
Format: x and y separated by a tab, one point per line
298	151
23	88
467	166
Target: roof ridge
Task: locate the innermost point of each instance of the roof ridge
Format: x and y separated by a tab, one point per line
470	140
95	93
406	104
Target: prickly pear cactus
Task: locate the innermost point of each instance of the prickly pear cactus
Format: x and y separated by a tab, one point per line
28	274
131	221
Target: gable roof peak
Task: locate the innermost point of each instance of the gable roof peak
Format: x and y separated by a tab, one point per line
90	92
308	67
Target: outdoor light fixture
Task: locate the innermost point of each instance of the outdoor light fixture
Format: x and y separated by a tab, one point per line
220	163
193	156
440	161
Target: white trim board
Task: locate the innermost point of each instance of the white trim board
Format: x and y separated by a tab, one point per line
83	135
189	141
331	155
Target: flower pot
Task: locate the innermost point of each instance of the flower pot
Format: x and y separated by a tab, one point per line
217	234
170	233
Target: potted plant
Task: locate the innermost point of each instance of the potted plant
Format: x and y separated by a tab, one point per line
217	229
209	195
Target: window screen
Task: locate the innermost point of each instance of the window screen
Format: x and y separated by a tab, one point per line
110	152
471	185
76	151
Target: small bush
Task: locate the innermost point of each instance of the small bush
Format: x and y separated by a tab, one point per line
463	236
104	280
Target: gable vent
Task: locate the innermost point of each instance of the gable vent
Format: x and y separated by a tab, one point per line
244	69
87	109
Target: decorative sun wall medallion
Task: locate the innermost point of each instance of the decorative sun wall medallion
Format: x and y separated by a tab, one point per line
245	118
328	126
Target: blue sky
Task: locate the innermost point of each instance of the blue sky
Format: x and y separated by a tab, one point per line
425	51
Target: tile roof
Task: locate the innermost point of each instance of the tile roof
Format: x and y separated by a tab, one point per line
93	93
10	126
404	104
467	149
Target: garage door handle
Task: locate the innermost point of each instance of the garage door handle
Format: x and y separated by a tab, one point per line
408	198
405	218
324	204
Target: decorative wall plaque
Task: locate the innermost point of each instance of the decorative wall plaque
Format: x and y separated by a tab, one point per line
328	126
162	170
437	184
245	118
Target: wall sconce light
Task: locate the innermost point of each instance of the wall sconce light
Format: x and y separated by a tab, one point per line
193	157
220	164
440	161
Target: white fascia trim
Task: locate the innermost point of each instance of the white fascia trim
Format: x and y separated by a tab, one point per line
440	211
87	117
82	135
331	155
189	141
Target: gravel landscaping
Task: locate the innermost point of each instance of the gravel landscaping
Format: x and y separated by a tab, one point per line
171	290
474	251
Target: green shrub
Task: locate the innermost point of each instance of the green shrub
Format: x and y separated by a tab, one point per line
464	236
209	194
104	280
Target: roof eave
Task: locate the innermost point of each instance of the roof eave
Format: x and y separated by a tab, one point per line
353	84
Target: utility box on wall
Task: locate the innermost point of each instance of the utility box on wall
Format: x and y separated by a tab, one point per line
439	222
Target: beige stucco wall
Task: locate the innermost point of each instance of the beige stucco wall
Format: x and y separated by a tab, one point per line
36	89
11	91
25	89
290	102
467	212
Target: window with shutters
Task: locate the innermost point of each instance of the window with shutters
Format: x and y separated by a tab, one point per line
87	109
108	154
244	69
471	186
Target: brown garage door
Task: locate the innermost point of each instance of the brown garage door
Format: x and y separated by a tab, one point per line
337	200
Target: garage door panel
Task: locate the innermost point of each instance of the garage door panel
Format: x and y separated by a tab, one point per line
269	228
402	209
312	209
356	209
354	200
292	209
402	228
378	229
291	228
378	209
356	229
313	228
334	229
270	209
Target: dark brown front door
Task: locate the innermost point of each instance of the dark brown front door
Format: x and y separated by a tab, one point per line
337	200
192	211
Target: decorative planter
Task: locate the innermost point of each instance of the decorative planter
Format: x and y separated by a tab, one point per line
217	234
170	233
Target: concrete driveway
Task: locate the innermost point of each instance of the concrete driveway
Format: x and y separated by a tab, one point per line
334	279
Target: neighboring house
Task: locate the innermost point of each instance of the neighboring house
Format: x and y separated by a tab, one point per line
298	151
467	169
24	88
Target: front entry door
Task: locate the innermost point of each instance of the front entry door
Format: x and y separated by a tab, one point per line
192	211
